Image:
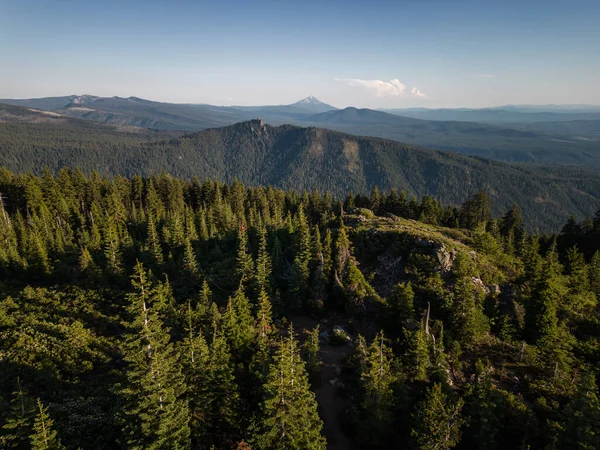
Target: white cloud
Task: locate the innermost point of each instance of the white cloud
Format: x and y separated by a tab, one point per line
417	93
392	88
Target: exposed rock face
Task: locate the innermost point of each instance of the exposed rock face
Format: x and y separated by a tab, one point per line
445	258
478	283
438	250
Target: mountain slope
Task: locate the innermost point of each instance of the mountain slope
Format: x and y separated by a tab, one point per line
307	159
497	115
477	139
517	142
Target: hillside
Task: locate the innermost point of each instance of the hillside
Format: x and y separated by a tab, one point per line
501	115
516	141
303	159
129	301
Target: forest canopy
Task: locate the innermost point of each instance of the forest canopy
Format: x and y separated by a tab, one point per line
168	313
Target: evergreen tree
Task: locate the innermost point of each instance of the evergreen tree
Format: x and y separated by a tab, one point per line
156	413
300	268
18	426
223	419
311	350
196	357
377	379
264	319
417	356
190	264
437	420
289	418
484	409
541	307
401	303
112	248
581	429
375	200
467	319
244	264
239	324
44	437
263	264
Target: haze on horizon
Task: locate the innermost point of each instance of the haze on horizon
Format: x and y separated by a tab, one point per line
377	54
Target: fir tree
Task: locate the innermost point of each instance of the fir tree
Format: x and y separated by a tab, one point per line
153	242
437	420
401	303
156	413
581	429
19	422
311	350
239	323
300	268
244	265
417	354
223	419
44	437
263	264
377	379
484	410
289	418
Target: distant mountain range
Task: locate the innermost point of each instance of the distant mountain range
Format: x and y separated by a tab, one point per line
293	157
568	135
503	115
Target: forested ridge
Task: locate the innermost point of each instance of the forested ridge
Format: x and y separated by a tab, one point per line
297	158
167	313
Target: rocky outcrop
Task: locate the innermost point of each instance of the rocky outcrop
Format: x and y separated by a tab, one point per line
438	251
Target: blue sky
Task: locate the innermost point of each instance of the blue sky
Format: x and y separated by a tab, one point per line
427	53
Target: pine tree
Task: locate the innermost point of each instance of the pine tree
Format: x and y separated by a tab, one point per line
437	420
468	322
263	264
190	264
18	426
541	307
156	412
375	200
153	242
377	379
239	324
401	303
342	249
264	319
195	364
318	279
244	265
223	420
112	248
311	350
289	418
581	429
484	409
417	354
44	437
300	268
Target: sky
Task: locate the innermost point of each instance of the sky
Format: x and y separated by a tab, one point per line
375	54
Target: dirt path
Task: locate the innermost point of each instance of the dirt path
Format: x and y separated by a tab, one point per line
331	404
